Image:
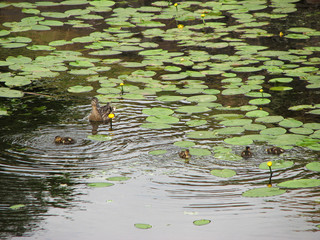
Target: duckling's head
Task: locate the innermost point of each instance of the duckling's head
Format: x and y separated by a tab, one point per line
57	139
247	148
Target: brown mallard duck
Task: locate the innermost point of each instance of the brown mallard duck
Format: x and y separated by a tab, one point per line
275	150
246	153
100	114
185	154
64	140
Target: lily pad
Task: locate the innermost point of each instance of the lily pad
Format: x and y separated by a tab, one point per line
274	131
142	225
158	152
202	134
290	123
202	98
201	222
300	183
162	119
270	119
80	89
263	192
236	122
185	144
167	98
118	179
199	152
239	141
17	206
257	113
100	184
313	166
230	130
10	93
99	137
192	109
157	111
225	173
260	101
195	123
276	164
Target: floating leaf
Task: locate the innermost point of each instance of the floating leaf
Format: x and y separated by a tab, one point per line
100	184
192	109
313	166
195	123
276	164
302	130
260	101
225	173
274	131
185	144
290	123
157	152
202	98
157	111
257	113
118	179
201	222
236	122
162	119
270	119
199	152
165	98
142	225
202	134
99	137
17	206
80	89
10	93
239	141
230	130
300	183
263	192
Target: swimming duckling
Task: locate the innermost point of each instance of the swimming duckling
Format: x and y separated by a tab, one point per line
100	114
246	153
275	150
185	154
64	140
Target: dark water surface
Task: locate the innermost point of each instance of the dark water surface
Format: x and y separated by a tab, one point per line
164	191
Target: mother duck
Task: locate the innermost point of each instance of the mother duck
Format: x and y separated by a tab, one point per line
100	114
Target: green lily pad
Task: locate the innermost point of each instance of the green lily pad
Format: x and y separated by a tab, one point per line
80	89
192	109
196	123
260	101
274	131
281	88
162	119
257	113
184	144
157	152
301	130
224	173
100	184
290	123
254	127
300	183
10	93
167	98
230	130
316	111
276	164
263	192
270	119
202	134
236	122
157	111
238	141
17	206
199	152
202	98
142	225
315	126
313	166
201	222
227	156
99	137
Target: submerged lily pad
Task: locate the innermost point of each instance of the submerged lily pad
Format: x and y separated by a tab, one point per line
263	192
225	173
300	183
313	166
100	184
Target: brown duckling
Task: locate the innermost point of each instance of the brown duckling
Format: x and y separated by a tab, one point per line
100	114
246	153
185	154
64	140
275	150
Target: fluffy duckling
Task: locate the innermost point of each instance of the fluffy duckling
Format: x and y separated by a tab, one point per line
100	114
185	154
246	153
64	140
275	150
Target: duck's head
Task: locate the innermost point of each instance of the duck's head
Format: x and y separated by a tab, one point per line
94	102
57	139
247	148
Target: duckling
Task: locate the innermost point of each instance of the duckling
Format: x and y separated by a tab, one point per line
100	114
246	153
275	150
185	154
64	140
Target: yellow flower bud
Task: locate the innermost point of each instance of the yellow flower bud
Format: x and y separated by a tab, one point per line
261	90
281	34
180	26
203	15
121	84
111	115
176	4
269	164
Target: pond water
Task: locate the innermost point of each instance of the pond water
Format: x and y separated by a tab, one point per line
211	76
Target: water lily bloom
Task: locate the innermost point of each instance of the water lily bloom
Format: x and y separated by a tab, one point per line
176	5
269	164
281	34
261	90
111	115
203	15
121	84
180	26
